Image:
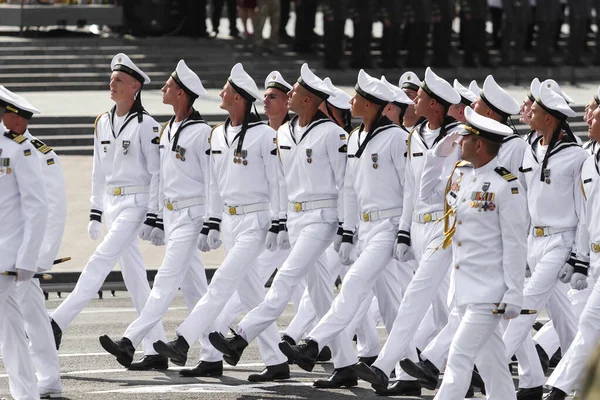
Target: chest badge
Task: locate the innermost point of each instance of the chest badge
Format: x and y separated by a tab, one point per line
180	153
126	144
244	154
309	156
237	158
375	158
486	186
5	165
547	175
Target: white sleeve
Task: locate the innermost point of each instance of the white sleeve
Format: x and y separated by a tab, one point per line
98	179
269	154
149	145
337	150
215	202
408	203
204	157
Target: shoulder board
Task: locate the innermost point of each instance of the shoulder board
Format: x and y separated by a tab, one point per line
352	131
506	174
15	137
463	163
41	146
96	123
212	130
162	129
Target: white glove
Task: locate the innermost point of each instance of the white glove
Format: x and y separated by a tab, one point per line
403	252
157	237
271	242
283	240
147	226
447	145
579	281
95	230
214	239
345	253
566	272
337	240
510	310
24	275
203	239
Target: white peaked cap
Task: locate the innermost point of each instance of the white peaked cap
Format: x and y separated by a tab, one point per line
409	80
399	94
553	103
498	99
275	80
534	89
188	80
485	127
373	89
466	96
473	87
439	89
339	98
243	83
313	83
16	104
122	63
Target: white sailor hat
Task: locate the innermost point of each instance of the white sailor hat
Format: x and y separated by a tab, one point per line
122	63
439	89
534	89
243	83
597	96
275	80
466	96
339	98
373	89
409	80
400	98
484	127
497	99
188	80
16	104
553	103
473	87
313	83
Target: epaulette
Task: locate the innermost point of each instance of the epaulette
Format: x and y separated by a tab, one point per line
41	146
15	137
163	129
352	131
96	123
506	174
463	163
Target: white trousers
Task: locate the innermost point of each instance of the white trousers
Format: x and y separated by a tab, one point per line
437	350
41	339
478	340
13	343
422	290
120	244
244	239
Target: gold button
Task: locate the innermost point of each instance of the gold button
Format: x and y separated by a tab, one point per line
170	206
427	217
232	211
459	222
366	217
596	247
297	207
459	244
117	191
457	266
539	231
474	179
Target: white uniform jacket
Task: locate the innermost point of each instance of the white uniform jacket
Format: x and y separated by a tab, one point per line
590	146
125	158
56	194
24	207
588	230
490	220
511	154
253	179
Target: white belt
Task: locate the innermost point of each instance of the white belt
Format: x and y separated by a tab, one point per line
250	208
178	205
539	231
312	205
377	215
428	217
125	190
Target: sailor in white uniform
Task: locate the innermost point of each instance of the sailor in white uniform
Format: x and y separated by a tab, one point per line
125	181
410	83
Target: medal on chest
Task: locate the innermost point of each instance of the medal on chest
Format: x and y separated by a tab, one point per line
547	175
456	184
4	164
126	144
484	200
309	156
244	154
180	153
375	158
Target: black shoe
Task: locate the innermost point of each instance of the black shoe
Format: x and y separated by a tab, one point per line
57	332
324	354
376	377
401	388
476	379
121	348
555	394
272	373
176	350
149	363
555	359
534	393
203	369
232	347
341	377
544	360
367	360
424	371
470	393
304	355
291	342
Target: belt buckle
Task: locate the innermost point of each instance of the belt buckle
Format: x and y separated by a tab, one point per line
117	191
232	210
596	247
539	232
366	217
427	217
169	206
297	207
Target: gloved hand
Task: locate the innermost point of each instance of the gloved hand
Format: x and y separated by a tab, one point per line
566	272
271	241
283	238
203	239
337	241
579	281
95	230
510	310
157	236
403	252
214	233
147	226
447	145
24	275
345	253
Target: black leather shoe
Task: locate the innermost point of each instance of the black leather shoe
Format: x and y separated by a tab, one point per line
341	377
376	377
304	355
471	392
555	359
231	347
534	393
176	350
204	369
121	348
57	332
424	371
324	354
367	360
292	342
401	388
272	373
555	394
149	363
544	359
476	379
